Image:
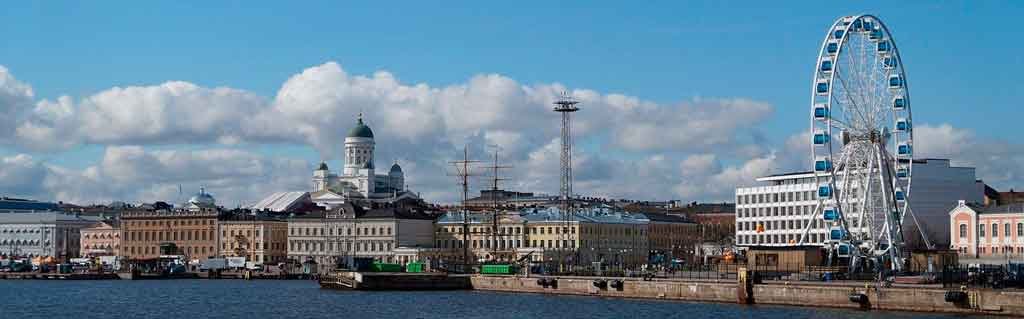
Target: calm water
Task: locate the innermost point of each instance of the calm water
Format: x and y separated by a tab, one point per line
196	299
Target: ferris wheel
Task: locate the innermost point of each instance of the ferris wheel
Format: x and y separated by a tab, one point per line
862	144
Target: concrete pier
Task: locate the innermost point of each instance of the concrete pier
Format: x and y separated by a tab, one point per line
840	295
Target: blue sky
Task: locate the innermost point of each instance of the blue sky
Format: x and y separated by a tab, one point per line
959	56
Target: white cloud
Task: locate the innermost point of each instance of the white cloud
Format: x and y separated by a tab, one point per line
626	146
131	173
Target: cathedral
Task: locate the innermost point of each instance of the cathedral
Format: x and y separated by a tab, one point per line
358	181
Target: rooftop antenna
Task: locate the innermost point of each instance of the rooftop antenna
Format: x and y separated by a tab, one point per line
462	172
566	105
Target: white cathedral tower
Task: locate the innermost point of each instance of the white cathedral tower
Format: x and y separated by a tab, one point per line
358	180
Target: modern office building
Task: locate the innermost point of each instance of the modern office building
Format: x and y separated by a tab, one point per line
775	212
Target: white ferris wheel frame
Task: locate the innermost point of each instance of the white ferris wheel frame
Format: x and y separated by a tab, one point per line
827	151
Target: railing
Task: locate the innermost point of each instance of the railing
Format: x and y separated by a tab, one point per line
983	276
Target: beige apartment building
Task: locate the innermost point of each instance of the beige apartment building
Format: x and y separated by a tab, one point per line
259	239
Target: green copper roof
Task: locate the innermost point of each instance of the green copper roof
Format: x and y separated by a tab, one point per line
360	130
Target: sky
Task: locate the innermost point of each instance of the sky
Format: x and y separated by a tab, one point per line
131	101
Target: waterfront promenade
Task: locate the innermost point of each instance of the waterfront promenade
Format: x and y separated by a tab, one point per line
304	299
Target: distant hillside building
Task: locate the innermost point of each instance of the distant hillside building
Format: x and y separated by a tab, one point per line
508	199
17	205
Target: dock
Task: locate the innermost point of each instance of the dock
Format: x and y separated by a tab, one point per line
394	281
56	276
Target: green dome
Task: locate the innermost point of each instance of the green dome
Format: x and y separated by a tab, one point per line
360	130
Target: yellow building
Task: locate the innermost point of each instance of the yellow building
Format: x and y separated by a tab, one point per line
595	234
257	238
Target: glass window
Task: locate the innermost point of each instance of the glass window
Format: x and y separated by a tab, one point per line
963	230
1020	229
995	230
981	230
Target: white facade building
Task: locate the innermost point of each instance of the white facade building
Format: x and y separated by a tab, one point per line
358	180
42	234
780	206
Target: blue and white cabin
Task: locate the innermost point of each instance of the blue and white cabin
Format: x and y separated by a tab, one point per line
899	103
836	233
832	48
904	149
826	66
876	34
843	250
902	125
895	81
830	214
821	88
889	63
820	137
883	47
825	191
820	111
838	34
822	164
900	196
902	172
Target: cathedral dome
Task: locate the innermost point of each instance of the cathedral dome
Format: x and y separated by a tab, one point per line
360	130
202	198
396	169
323	166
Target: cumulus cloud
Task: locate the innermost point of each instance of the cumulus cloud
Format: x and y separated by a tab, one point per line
998	161
626	146
131	173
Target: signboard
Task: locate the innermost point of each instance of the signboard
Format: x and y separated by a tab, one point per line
236	262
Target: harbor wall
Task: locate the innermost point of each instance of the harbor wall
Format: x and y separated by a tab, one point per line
921	299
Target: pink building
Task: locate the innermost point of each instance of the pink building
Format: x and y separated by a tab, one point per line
993	232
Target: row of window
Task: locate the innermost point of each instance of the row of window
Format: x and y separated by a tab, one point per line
995	250
812	238
187	250
995	230
774	211
225	246
307	246
359	231
172	235
624	231
173	222
774	197
780	225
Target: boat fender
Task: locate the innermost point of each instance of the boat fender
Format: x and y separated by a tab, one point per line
601	283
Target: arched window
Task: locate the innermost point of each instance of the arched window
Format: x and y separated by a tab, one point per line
963	230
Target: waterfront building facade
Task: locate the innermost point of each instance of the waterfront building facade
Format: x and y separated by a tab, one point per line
101	239
673	236
335	237
190	231
774	214
987	232
260	239
42	234
595	234
358	180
